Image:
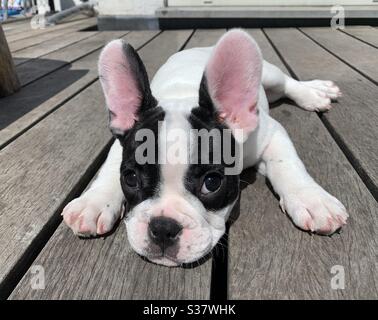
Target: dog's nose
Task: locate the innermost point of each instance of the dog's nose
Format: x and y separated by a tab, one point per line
164	231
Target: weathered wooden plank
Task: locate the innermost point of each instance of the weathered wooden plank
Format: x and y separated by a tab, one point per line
18	27
51	151
15	26
365	33
35	40
26	30
37	68
58	42
9	82
29	32
205	38
107	268
354	123
166	44
23	109
359	55
269	258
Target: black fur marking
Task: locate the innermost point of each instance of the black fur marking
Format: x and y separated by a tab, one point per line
139	72
229	189
141	77
148	116
148	174
205	116
206	109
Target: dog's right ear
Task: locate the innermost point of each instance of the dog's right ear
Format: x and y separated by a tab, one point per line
125	84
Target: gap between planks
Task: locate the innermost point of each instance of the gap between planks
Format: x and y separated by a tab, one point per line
269	257
19	45
150	55
30	72
365	170
31	54
365	52
35	32
89	62
21	265
367	35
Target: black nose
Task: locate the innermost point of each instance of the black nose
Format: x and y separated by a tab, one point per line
164	231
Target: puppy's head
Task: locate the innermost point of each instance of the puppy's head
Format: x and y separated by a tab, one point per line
178	203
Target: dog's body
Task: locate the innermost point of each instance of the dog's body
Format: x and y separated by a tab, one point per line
174	218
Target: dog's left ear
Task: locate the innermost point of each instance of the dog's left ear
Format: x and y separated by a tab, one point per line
232	79
125	84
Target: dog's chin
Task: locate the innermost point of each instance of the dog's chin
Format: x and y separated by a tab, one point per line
164	261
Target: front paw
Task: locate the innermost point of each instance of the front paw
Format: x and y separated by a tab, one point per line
313	209
316	95
91	214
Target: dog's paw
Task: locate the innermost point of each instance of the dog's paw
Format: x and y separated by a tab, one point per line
315	95
324	87
91	215
313	209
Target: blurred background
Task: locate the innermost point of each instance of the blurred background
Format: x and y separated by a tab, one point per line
176	14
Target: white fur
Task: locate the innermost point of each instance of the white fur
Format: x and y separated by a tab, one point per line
176	87
92	214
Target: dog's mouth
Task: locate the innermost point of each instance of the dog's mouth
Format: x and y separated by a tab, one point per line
166	259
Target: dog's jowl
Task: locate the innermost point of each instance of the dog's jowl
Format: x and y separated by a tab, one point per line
183	140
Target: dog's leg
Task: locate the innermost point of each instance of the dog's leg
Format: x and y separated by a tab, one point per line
308	204
97	210
315	95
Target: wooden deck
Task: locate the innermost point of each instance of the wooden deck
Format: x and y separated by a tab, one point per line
54	138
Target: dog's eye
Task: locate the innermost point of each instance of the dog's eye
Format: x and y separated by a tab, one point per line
211	183
131	179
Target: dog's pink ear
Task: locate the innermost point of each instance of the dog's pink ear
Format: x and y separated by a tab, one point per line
125	84
232	80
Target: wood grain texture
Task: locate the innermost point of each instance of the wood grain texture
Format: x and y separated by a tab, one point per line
19	26
9	82
205	38
37	68
29	32
156	53
41	168
15	26
108	268
354	118
36	40
361	56
365	33
269	258
23	109
51	45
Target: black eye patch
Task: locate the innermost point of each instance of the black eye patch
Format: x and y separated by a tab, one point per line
143	183
196	174
225	195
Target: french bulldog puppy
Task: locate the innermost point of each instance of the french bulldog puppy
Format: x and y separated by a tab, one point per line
177	210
